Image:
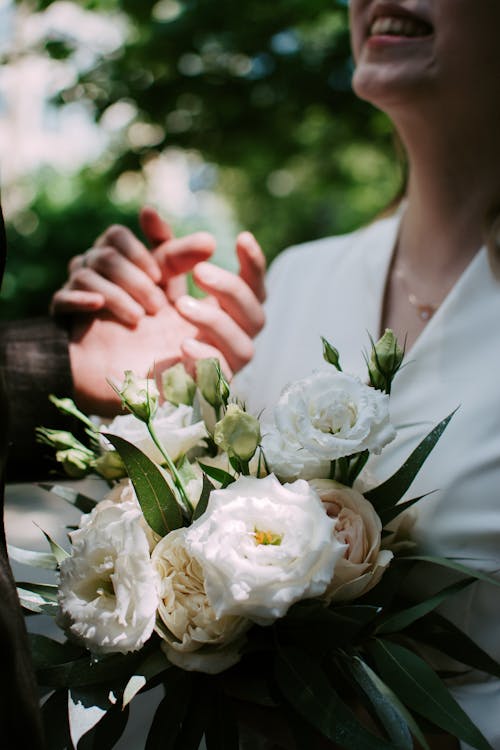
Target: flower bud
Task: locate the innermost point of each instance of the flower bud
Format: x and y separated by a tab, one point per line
238	433
59	439
139	395
110	465
211	382
385	361
178	386
76	463
330	354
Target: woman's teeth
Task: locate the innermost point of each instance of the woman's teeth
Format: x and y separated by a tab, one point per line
392	26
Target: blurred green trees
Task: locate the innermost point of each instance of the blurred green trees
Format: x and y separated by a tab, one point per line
261	90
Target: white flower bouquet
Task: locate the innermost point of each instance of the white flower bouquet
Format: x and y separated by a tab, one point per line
237	569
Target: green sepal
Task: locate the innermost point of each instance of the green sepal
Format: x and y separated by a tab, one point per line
390	492
156	498
419	687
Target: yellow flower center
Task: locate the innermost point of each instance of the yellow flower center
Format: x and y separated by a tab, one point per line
267	537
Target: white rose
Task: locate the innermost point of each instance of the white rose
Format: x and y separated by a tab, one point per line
332	415
173	426
289	460
263	546
107	591
358	526
194	638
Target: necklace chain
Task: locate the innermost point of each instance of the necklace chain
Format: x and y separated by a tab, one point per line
424	310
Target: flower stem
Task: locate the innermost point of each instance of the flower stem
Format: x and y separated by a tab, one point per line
173	470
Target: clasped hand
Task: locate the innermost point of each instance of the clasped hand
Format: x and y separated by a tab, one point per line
141	316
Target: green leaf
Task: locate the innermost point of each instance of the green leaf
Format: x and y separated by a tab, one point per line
161	509
401	620
197	717
222	730
451	564
393	715
171	712
45	651
38	597
34	559
221	476
388	514
86	671
81	502
86	708
203	501
153	665
440	633
55	721
417	685
59	553
306	687
108	731
387	494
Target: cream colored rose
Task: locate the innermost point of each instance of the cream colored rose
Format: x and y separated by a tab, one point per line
359	527
193	637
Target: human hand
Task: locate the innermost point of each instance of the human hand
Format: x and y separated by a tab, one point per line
120	275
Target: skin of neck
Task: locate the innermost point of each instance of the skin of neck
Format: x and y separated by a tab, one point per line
454	180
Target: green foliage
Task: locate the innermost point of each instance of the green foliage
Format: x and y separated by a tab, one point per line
262	91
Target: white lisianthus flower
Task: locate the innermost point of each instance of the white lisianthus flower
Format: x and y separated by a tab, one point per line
123	492
289	460
358	526
193	637
263	546
107	591
172	424
332	415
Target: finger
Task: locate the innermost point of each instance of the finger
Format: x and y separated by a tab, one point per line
217	328
67	301
116	268
155	229
233	295
193	350
252	264
127	244
180	255
117	301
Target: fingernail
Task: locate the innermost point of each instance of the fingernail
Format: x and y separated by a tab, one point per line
188	305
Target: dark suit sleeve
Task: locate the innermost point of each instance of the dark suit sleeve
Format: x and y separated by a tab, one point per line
20	721
34	362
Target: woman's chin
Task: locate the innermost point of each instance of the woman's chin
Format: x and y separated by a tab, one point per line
389	86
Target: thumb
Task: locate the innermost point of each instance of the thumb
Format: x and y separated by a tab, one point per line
154	228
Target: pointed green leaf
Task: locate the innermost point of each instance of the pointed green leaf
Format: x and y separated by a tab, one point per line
222	730
34	559
81	502
451	564
59	553
223	477
416	683
154	664
306	687
161	509
391	717
85	671
392	713
392	490
401	620
46	652
55	721
171	712
86	708
38	597
388	514
203	501
440	633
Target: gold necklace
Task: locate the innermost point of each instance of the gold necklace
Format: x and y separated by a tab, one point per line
425	310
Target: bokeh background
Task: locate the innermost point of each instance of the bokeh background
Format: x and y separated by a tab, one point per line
222	114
